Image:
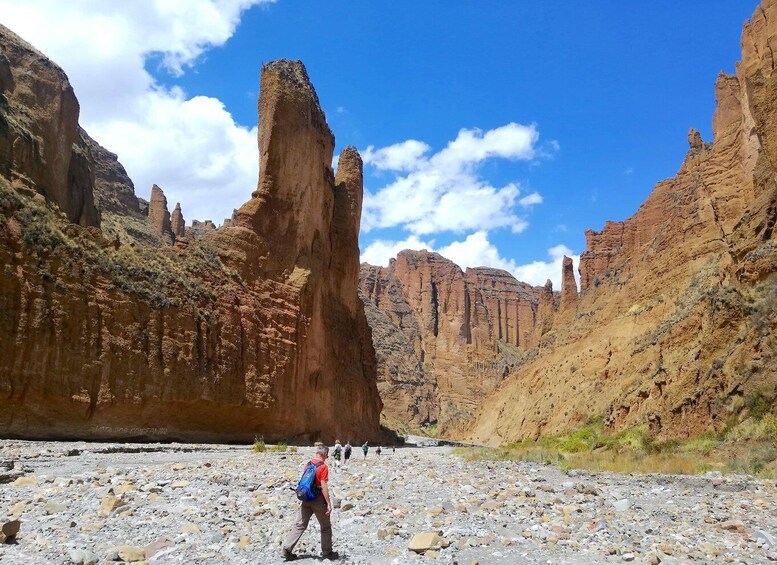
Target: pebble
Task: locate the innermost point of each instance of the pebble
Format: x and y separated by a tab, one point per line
181	504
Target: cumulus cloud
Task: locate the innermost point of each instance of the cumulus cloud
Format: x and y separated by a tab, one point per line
537	272
191	146
445	191
477	251
381	251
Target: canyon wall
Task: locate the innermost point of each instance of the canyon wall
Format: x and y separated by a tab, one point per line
252	329
446	338
674	324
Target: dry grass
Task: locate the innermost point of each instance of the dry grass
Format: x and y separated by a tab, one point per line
750	448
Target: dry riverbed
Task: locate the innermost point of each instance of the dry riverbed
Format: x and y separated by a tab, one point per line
87	502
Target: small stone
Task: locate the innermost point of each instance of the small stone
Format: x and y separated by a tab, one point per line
25	481
157	546
189	528
110	503
765	537
54	508
130	553
179	484
8	530
83	557
622	505
734	525
627	557
346	506
424	541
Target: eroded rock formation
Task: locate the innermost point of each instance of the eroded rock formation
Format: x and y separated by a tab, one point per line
177	223
159	215
670	330
254	329
41	146
445	338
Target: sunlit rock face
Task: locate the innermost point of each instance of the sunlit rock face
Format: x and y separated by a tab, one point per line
446	338
670	328
250	330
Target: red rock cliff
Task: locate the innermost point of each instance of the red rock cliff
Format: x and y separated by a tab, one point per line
445	338
669	329
251	330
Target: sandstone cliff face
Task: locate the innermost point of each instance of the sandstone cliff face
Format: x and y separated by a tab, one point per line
669	329
41	147
444	338
99	339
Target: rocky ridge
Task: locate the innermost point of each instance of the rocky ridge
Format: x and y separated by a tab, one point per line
104	334
670	328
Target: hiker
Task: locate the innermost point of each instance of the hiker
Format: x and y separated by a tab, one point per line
347	452
337	452
365	449
378	451
321	506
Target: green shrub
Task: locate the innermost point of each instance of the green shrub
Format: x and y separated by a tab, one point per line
279	448
259	446
758	404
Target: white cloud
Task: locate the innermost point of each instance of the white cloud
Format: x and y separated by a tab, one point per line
380	251
444	191
537	272
477	251
530	200
191	147
405	156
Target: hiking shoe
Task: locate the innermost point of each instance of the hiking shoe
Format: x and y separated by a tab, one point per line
332	555
288	555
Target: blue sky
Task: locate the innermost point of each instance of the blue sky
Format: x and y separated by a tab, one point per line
565	114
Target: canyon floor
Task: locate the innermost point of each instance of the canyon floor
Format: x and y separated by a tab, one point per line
178	503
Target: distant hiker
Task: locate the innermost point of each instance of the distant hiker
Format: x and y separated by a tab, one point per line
347	452
393	449
337	453
365	449
320	505
378	450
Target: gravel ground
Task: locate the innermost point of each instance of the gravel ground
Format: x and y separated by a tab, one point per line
175	503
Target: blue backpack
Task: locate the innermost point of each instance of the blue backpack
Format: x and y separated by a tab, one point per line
306	487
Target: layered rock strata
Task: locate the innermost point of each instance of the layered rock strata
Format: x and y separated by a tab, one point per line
444	337
251	330
673	326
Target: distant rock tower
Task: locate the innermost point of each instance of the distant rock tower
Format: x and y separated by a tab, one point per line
568	284
178	224
159	216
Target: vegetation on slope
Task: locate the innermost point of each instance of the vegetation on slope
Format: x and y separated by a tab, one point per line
749	447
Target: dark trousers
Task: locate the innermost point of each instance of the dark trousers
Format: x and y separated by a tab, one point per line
306	510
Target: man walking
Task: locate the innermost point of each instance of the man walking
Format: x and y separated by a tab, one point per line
321	506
